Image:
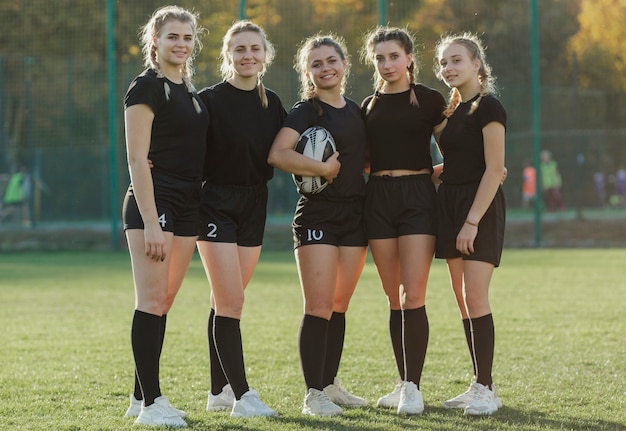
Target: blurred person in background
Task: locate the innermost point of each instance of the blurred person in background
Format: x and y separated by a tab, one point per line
16	199
529	184
551	182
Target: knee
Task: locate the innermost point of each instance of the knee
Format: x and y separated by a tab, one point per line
156	305
323	309
415	298
476	304
230	306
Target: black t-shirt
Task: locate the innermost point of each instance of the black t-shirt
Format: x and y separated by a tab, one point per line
177	143
240	135
399	133
462	140
348	130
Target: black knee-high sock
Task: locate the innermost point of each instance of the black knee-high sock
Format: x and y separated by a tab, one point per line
312	346
334	346
229	348
137	391
145	338
468	338
483	336
395	333
416	333
218	378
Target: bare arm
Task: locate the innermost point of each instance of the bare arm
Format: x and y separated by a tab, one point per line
283	156
138	123
437	170
493	137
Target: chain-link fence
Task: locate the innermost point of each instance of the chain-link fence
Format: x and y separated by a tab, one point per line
54	90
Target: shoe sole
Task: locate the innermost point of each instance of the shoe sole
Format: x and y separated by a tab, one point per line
456	406
463	405
467	412
350	405
239	415
218	409
474	413
310	413
170	425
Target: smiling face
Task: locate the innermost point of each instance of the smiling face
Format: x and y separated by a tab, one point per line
325	68
392	62
456	66
247	54
174	44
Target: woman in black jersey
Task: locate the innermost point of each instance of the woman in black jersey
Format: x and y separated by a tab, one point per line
401	201
471	203
166	123
329	235
245	117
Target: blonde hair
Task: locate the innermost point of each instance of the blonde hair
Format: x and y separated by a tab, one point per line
476	50
226	68
368	53
152	30
307	88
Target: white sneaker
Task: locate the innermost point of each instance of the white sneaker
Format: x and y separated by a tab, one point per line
164	402
250	405
338	395
392	399
222	401
483	402
158	415
463	400
317	403
134	408
411	402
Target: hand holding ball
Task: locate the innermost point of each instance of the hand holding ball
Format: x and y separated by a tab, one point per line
317	143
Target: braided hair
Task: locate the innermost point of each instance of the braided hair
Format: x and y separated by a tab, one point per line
152	30
368	53
476	50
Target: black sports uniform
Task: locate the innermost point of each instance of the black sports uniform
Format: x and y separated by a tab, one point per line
464	165
177	148
335	215
234	196
399	136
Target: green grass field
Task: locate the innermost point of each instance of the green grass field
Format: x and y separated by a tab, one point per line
560	364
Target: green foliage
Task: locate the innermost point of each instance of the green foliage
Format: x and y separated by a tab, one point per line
54	89
560	345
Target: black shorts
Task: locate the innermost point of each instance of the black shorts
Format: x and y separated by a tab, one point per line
333	222
455	202
177	202
233	214
397	206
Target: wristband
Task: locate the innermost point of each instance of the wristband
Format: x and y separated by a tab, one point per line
471	223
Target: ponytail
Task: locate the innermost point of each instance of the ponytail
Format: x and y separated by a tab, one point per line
262	94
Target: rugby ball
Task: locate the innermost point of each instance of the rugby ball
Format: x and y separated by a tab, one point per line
317	143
